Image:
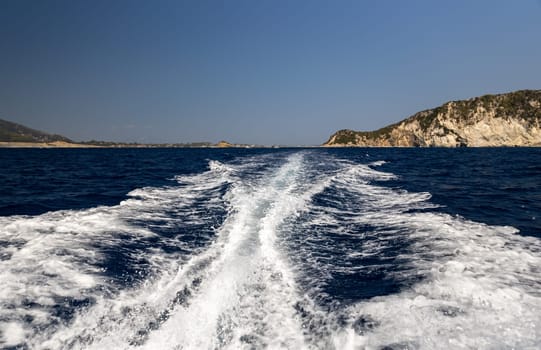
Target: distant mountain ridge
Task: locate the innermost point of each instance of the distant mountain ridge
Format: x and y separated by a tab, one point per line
13	132
17	135
510	119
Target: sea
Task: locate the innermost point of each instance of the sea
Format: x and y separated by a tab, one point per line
316	248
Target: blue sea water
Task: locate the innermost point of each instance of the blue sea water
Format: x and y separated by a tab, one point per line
270	248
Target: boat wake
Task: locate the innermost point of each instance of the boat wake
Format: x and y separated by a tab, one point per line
298	252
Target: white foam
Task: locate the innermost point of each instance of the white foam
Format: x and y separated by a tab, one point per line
480	287
481	283
378	163
54	257
11	334
247	296
239	292
217	166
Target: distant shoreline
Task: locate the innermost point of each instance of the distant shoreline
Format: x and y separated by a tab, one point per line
62	144
55	144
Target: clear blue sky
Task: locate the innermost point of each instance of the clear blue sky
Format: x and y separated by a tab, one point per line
254	71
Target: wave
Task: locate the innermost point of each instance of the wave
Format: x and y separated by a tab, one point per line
302	252
429	280
64	273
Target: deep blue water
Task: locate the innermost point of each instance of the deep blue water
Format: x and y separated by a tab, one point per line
262	248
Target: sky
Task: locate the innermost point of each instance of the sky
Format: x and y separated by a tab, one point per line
254	71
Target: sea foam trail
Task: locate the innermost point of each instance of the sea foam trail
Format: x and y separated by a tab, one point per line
464	284
236	292
311	252
246	298
56	290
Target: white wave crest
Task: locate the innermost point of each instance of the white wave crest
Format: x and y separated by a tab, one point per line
215	165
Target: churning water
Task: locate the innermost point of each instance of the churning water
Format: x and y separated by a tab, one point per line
278	249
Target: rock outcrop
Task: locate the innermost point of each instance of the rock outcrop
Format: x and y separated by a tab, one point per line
224	144
511	119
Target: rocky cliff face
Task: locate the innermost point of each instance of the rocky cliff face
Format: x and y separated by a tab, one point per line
512	119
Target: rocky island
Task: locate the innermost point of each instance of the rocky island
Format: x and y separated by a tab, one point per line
510	119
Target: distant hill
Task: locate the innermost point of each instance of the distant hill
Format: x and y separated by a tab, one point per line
13	132
17	135
510	119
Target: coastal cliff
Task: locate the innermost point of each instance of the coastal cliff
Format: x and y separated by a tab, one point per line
511	119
